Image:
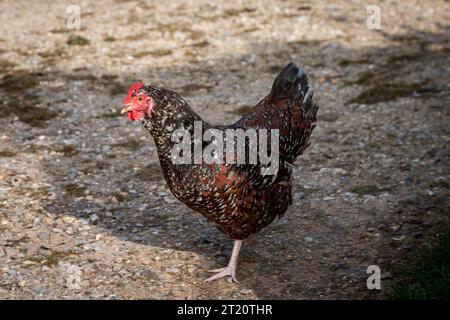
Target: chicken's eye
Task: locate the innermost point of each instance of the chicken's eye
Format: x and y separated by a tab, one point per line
140	98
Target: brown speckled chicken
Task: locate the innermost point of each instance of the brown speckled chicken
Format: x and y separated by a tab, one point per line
236	197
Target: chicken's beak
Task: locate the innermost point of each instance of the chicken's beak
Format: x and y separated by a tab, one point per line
126	108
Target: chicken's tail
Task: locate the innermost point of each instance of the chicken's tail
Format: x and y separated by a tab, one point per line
292	83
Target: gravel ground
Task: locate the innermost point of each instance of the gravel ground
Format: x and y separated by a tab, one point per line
84	211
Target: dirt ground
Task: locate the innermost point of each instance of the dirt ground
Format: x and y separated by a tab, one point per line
84	211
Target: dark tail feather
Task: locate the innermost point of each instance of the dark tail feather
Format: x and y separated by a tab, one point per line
291	83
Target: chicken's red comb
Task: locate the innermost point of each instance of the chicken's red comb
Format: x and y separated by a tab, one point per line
134	87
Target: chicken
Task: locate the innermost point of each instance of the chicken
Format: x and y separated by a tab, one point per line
237	197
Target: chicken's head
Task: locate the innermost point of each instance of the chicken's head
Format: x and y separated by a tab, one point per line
138	103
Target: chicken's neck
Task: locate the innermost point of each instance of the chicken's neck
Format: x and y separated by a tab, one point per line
164	129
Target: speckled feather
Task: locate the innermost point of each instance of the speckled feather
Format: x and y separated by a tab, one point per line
237	198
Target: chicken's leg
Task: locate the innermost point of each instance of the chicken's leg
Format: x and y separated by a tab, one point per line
229	270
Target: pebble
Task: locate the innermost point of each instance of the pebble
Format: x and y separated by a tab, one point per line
117	268
172	270
246	291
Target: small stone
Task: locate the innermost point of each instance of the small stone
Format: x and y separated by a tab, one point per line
172	270
400	238
11	252
150	275
117	268
100	202
246	291
192	269
52	196
68	219
106	149
170	200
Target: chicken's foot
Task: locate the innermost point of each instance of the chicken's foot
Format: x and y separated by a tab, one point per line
229	270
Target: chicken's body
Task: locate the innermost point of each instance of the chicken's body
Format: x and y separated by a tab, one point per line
236	197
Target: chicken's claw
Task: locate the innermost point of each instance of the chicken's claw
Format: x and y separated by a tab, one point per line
223	272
